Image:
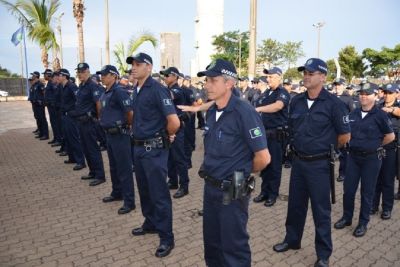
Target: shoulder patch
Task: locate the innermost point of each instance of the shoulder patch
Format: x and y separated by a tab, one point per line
255	132
167	102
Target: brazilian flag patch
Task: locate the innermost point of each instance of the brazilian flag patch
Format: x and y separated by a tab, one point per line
255	132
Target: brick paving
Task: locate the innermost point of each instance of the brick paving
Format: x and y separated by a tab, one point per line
49	217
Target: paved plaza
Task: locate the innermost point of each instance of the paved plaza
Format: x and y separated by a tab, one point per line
50	217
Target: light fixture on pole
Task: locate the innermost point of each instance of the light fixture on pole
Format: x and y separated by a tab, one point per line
318	26
59	32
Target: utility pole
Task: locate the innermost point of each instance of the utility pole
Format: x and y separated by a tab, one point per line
318	26
252	41
59	32
107	35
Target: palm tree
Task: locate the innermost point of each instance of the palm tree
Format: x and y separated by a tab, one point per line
121	54
78	10
37	17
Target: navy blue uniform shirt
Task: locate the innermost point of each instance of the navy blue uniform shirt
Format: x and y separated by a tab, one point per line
38	92
50	92
394	119
367	133
276	119
68	96
151	105
58	95
178	97
115	103
230	142
87	96
314	129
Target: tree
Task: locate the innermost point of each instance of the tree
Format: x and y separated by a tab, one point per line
381	62
331	70
234	47
351	63
5	73
270	52
120	53
291	52
78	10
37	17
293	74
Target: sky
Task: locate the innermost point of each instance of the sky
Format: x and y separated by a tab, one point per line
361	23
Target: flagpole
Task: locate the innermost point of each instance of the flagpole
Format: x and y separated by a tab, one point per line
26	64
22	67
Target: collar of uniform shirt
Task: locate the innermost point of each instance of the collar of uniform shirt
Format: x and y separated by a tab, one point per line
230	106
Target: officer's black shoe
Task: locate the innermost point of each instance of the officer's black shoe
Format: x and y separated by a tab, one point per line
321	263
125	210
340	178
373	211
282	247
342	223
51	142
56	144
172	186
44	138
142	231
78	167
164	250
97	182
111	199
58	151
38	136
270	202
386	215
68	161
36	131
181	193
397	196
360	230
260	198
63	154
87	177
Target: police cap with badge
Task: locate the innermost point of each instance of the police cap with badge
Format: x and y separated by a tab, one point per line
108	69
82	66
274	70
313	65
140	58
219	67
391	88
48	72
35	74
368	88
169	71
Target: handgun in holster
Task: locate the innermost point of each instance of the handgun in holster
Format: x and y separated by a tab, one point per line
239	188
165	138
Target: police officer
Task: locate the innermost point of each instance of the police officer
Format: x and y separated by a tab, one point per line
50	92
69	125
200	97
190	126
342	94
370	130
262	85
39	106
57	105
116	119
388	171
287	84
315	122
273	106
177	161
87	110
245	91
101	136
155	121
234	140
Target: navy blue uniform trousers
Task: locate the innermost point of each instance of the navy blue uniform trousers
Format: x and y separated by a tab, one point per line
41	120
310	180
91	149
190	139
343	162
72	140
271	175
366	169
155	199
120	158
177	162
225	230
385	183
51	108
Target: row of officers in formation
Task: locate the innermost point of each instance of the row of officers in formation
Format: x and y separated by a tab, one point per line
147	125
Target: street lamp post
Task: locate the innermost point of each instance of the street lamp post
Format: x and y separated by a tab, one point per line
252	40
318	26
59	32
107	34
240	54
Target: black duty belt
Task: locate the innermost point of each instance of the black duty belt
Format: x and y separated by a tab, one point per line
314	157
113	130
157	142
214	182
362	153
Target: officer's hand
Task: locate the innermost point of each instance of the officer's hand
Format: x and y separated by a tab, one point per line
188	108
172	138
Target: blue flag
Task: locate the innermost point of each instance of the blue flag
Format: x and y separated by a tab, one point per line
17	36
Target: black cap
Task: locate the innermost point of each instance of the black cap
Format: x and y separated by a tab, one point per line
369	88
95	77
55	73
287	81
263	79
82	66
244	78
108	69
64	72
255	80
219	67
170	70
274	70
36	74
187	77
391	87
141	58
313	65
339	81
48	72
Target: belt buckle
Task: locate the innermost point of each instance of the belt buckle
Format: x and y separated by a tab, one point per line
147	146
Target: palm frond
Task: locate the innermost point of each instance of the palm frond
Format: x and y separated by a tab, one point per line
134	42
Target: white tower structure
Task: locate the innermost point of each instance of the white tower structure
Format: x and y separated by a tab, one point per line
208	23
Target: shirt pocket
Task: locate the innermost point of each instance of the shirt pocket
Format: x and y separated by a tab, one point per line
318	124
